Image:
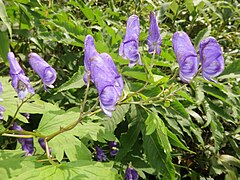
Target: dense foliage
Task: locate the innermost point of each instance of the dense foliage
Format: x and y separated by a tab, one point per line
162	128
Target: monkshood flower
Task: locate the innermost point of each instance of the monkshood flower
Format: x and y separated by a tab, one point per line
90	53
2	109
100	156
43	145
186	56
108	82
131	174
211	58
27	143
43	69
20	82
104	74
113	146
129	46
154	39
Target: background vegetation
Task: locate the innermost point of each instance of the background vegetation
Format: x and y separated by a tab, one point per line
167	131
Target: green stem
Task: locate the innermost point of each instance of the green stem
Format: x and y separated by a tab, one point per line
49	156
18	109
86	94
147	81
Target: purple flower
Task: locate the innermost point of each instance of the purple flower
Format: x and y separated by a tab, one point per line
2	109
26	115
131	174
20	82
186	56
43	69
154	39
100	156
113	148
43	145
104	74
107	81
129	47
27	143
211	58
1	88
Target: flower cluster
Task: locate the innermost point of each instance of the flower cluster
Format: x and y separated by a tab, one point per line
210	57
104	74
210	51
129	46
113	149
21	82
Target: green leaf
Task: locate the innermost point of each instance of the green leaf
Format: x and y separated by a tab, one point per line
217	93
233	68
190	6
156	156
128	139
161	130
76	81
217	133
13	164
73	170
4	45
71	146
176	142
117	116
204	33
4	18
174	7
11	102
136	75
220	111
231	160
178	108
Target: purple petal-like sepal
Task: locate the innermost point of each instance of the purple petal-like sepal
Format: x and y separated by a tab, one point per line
129	47
186	56
131	174
20	82
43	69
104	74
154	39
211	58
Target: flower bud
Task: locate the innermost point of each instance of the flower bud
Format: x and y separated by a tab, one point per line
20	82
129	46
113	148
43	69
211	58
43	145
100	156
186	56
154	39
